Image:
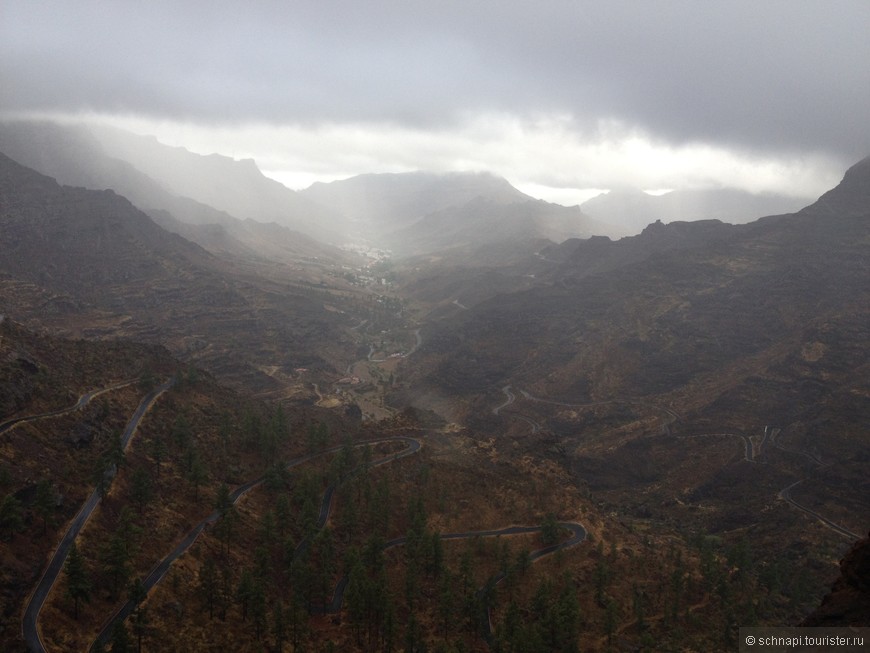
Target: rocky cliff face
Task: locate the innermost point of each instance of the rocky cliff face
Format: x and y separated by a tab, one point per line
848	603
851	197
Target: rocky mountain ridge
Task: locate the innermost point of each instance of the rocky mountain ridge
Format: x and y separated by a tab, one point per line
88	263
75	157
635	209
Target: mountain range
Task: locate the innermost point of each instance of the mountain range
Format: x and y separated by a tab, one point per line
686	329
635	209
697	393
76	157
223	201
89	263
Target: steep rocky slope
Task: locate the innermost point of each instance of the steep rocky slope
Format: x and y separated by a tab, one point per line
237	187
700	376
635	209
89	263
848	603
75	157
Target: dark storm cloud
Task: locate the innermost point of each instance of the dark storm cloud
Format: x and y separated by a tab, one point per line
778	76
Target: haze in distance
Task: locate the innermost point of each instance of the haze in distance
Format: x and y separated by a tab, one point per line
564	100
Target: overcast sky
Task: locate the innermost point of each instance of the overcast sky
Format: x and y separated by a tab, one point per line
558	96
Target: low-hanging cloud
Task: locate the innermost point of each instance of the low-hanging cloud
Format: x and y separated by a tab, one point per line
764	79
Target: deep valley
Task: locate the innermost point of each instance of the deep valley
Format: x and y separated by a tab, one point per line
493	423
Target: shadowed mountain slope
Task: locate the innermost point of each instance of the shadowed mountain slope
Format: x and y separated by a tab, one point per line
382	203
73	155
237	187
848	603
421	213
89	263
651	315
483	222
634	209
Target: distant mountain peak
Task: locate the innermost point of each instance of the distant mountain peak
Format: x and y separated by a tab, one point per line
634	209
850	197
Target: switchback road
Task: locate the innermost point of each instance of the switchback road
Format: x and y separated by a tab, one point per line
510	400
159	570
748	454
30	623
578	534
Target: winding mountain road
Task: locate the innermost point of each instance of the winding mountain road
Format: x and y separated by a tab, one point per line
748	451
30	622
535	426
785	494
510	400
159	570
578	534
83	401
796	452
631	402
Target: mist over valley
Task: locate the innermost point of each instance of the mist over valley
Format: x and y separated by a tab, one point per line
541	350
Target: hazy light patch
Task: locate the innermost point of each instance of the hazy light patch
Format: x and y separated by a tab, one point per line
563	196
547	156
656	192
295	180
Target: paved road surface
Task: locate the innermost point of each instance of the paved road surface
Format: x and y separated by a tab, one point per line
30	625
160	569
785	494
83	401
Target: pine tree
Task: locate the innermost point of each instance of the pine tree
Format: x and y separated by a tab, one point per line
244	592
128	531
44	503
550	530
436	555
181	432
78	582
511	626
141	490
414	635
116	564
611	617
157	449
298	624
524	561
356	598
120	638
208	585
223	502
639	604
258	607
323	550
447	602
225	589
567	619
225	527
602	580
139	617
197	475
116	455
102	476
282	514
279	626
147	381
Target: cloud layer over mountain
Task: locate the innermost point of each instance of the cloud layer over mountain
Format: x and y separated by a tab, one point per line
756	85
